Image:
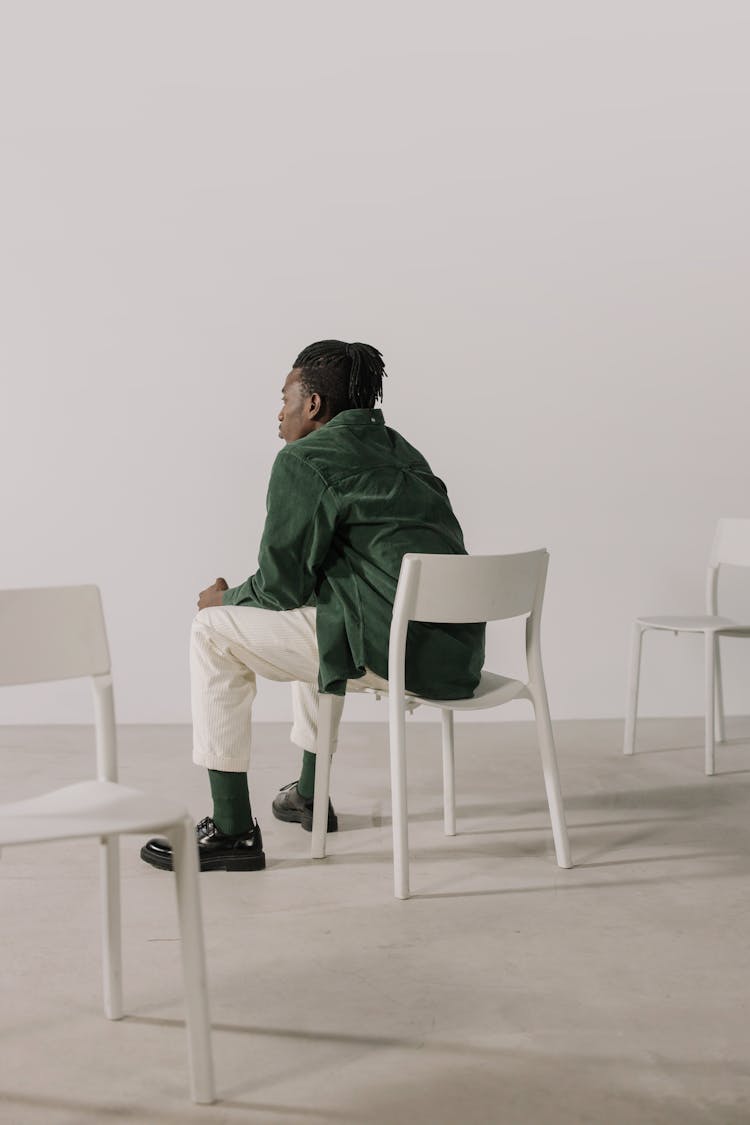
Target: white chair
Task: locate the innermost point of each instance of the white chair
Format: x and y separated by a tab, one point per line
454	589
56	634
731	546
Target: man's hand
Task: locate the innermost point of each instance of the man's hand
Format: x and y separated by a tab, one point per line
212	595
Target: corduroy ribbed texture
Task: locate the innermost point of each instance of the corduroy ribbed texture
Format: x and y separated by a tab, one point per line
230	647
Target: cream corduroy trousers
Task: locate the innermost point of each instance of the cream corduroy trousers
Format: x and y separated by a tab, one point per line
230	647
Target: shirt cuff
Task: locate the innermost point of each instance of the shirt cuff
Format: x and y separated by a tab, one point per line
232	596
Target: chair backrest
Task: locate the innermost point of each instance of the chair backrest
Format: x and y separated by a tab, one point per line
731	545
52	633
463	588
455	589
58	633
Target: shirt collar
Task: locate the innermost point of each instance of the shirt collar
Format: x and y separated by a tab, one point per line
358	417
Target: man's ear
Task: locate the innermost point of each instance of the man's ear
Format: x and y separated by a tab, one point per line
315	406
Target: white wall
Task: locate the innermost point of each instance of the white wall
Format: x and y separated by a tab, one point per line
538	212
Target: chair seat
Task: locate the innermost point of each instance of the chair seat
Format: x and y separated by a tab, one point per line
698	623
491	691
88	808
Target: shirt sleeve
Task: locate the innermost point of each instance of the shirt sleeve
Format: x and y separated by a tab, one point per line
300	522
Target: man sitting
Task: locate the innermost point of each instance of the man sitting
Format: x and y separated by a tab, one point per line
347	498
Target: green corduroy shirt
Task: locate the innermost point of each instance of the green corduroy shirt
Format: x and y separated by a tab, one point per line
344	504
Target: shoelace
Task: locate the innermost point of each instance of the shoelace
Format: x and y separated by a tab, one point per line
208	826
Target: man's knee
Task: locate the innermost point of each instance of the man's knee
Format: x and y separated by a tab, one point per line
204	624
207	618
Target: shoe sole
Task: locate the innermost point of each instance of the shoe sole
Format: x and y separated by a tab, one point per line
242	863
293	817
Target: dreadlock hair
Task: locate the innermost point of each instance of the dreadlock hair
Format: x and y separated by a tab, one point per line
346	376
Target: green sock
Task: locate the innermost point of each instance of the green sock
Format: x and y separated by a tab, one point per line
232	812
306	783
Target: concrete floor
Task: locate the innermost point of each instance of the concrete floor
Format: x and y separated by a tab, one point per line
505	991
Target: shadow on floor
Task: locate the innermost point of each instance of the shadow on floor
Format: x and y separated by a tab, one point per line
445	1081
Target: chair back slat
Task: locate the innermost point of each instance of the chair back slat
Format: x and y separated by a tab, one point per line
52	633
731	544
464	588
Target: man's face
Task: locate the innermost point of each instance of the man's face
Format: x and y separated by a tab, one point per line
297	416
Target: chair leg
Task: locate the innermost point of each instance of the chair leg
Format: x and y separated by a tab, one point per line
449	774
200	1057
635	675
323	753
721	733
399	812
710	764
551	776
109	869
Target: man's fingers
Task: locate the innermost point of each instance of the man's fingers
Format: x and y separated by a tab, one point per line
211	595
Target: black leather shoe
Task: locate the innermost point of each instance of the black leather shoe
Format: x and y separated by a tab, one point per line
216	852
288	804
